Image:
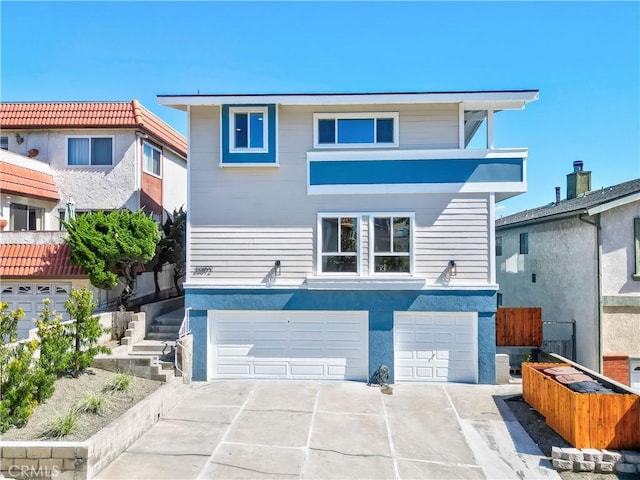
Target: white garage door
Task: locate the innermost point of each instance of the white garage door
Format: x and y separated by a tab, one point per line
435	347
29	296
288	344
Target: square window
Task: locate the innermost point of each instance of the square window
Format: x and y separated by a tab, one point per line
392	244
25	217
524	243
90	151
248	129
339	249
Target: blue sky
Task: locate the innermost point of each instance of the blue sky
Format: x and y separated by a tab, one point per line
584	57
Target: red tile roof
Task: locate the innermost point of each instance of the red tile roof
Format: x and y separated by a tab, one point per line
26	182
51	115
50	261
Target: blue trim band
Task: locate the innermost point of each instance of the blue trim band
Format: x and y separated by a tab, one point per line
455	170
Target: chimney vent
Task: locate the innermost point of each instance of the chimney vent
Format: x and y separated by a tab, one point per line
557	195
577	166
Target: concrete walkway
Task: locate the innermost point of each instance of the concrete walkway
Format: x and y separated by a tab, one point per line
324	430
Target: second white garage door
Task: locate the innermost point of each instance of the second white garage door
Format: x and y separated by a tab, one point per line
288	344
435	347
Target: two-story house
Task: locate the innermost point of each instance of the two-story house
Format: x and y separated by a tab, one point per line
62	158
331	234
579	259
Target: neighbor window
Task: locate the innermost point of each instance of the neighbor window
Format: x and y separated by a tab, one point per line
248	129
4	143
498	246
152	160
24	217
89	151
636	236
524	243
356	129
392	244
339	244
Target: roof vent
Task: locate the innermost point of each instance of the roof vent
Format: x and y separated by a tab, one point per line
557	195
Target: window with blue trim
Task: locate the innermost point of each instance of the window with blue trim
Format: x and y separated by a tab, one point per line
335	130
248	129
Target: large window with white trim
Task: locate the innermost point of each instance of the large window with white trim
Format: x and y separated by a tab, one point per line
345	130
152	159
248	129
339	237
84	150
391	244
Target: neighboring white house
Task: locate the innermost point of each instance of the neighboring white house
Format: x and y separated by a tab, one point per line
579	259
103	155
332	234
88	156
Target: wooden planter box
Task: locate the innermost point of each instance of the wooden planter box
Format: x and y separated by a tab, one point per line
585	420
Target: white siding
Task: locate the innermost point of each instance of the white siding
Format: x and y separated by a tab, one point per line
448	226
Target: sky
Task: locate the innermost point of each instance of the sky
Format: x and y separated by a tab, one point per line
583	57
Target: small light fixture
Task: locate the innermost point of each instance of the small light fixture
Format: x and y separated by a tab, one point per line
276	267
453	268
19	138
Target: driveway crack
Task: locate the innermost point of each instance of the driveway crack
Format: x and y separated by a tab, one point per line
363	455
247	469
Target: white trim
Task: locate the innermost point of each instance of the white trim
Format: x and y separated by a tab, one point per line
461	125
265	129
417	154
359	283
490	129
497	100
400	188
187	277
319	252
246	165
66	151
492	238
618	202
144	163
371	239
356	115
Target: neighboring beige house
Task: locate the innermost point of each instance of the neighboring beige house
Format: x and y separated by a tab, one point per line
84	156
579	259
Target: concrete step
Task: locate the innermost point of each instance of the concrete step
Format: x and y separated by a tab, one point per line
162	336
165	329
167	321
153	345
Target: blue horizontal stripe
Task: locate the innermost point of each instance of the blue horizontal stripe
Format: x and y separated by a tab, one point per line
456	170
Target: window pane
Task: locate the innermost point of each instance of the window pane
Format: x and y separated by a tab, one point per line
392	264
156	162
329	234
101	151
349	235
384	130
241	130
355	130
401	234
340	263
4	143
256	130
498	246
382	234
78	151
326	131
18	216
524	243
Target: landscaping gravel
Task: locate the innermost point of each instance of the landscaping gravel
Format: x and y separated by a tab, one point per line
68	392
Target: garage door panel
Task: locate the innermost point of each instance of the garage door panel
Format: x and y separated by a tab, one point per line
281	344
433	346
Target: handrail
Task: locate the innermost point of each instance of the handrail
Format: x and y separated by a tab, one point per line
185	327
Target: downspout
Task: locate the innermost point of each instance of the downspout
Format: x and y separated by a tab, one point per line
598	226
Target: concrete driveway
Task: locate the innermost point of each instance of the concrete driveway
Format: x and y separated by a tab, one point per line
324	430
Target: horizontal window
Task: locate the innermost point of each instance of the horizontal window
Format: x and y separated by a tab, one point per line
152	160
96	151
332	130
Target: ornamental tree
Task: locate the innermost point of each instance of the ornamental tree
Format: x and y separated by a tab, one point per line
172	249
110	245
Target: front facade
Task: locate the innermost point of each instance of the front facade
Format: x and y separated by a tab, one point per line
103	155
330	235
579	259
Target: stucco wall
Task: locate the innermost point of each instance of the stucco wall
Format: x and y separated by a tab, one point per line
562	255
174	176
621	331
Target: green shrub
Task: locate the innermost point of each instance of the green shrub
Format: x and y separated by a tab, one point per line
62	425
91	403
120	382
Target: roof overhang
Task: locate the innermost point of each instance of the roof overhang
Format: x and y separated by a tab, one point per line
476	100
